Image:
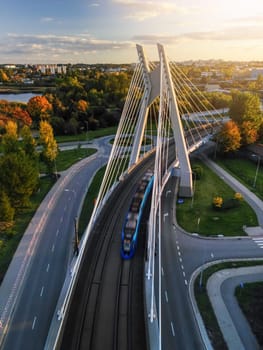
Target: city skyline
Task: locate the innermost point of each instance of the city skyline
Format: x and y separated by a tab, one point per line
83	31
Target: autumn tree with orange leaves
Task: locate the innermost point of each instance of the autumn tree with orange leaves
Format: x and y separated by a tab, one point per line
39	108
229	138
15	112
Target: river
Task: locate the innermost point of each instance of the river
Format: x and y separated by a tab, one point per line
24	97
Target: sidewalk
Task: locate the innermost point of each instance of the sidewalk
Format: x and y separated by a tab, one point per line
244	339
235	340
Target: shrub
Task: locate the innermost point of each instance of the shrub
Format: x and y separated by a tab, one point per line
217	202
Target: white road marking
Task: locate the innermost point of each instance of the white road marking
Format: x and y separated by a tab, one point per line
180	259
53	248
212	255
185	282
42	291
47	267
258	241
61	219
183	273
34	323
57	232
179	253
166	296
162	271
182	266
178	248
172	327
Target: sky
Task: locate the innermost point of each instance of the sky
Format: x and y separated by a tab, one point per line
107	31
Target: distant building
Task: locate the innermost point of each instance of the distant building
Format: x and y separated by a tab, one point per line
10	66
254	74
212	87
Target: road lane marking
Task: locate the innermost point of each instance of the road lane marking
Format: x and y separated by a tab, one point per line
57	232
53	248
164	216
162	271
47	267
258	241
185	282
178	248
42	291
34	323
182	266
172	327
212	255
183	273
61	219
179	253
180	259
166	296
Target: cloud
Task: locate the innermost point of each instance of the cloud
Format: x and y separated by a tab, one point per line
47	19
229	34
141	10
60	46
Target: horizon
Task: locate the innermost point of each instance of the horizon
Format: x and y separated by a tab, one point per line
106	31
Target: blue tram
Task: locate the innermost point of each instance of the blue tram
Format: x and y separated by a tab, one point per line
130	229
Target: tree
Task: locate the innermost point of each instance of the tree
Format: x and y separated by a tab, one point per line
7	212
39	108
10	138
229	137
28	143
249	133
19	177
50	148
245	106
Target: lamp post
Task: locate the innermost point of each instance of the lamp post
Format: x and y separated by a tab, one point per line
76	226
257	169
192	202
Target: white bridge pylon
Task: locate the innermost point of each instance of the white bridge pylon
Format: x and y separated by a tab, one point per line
158	84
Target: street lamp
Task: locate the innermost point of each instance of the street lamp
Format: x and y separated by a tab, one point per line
257	169
192	202
76	226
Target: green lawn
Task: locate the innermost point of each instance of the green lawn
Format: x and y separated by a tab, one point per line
65	159
245	171
9	239
92	134
205	306
198	215
89	201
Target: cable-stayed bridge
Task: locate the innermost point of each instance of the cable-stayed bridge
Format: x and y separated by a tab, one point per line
164	119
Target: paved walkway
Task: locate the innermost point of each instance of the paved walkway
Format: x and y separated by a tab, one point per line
244	339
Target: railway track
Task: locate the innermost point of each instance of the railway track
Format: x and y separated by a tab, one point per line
107	311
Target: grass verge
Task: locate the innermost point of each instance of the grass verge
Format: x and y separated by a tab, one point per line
197	214
10	238
245	171
89	200
92	134
205	306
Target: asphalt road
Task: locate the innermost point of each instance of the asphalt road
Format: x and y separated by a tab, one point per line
182	254
37	301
